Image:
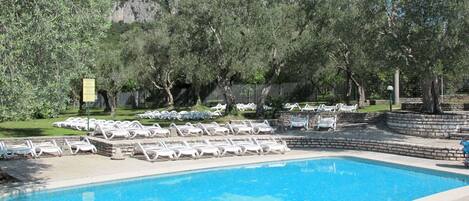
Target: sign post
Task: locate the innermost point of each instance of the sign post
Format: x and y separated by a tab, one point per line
89	95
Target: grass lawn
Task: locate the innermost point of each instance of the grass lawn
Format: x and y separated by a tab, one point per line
379	108
43	127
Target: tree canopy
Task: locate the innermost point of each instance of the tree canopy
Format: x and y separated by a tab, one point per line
343	45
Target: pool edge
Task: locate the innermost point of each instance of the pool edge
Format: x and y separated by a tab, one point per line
56	185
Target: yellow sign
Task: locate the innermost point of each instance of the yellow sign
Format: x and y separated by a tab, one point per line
89	93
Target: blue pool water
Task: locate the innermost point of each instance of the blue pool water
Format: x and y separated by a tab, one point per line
326	179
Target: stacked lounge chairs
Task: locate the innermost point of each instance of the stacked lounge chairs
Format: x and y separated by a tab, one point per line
322	107
213	129
182	115
216	148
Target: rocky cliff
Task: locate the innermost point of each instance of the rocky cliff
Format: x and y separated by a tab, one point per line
130	11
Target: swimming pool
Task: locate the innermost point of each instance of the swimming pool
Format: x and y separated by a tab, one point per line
325	179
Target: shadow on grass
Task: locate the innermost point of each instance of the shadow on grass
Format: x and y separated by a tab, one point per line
30	132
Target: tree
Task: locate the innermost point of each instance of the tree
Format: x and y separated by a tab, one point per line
221	38
283	30
353	27
432	41
44	45
155	53
111	72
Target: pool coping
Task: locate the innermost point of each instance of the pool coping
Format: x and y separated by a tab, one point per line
96	180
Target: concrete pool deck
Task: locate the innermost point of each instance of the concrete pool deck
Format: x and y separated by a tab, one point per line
49	173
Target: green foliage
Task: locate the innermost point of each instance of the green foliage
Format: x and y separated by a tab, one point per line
44	45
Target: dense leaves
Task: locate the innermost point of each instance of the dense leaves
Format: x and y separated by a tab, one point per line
43	46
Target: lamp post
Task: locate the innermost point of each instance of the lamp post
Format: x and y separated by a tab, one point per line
390	90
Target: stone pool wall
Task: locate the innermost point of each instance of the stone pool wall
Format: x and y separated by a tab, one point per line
399	148
417	106
108	148
425	125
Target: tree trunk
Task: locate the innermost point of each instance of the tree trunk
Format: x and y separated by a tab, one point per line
107	105
431	95
260	112
81	109
136	99
348	87
361	96
113	103
228	95
169	96
361	92
197	93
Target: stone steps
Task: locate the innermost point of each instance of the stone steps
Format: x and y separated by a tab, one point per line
464	130
463	133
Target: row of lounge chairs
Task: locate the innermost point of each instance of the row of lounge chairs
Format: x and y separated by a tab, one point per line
78	123
34	150
240	107
130	130
182	115
322	108
217	148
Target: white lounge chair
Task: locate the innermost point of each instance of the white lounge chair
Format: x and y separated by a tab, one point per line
299	122
187	130
329	122
62	123
182	149
111	132
271	145
219	106
45	147
308	107
328	108
225	147
17	149
247	145
213	129
157	131
291	107
239	128
347	108
204	148
81	145
263	127
154	151
266	107
137	129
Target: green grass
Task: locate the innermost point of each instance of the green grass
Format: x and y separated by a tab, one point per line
379	108
43	127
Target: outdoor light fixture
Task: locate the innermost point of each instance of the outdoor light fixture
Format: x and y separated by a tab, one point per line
390	89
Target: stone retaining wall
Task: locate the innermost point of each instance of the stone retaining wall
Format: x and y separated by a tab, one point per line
108	148
399	148
417	106
424	125
342	117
